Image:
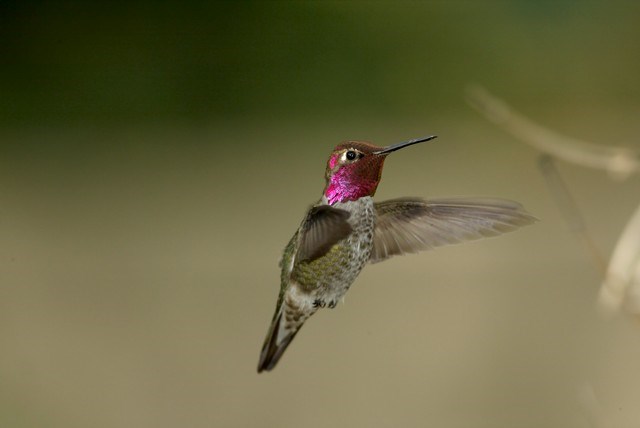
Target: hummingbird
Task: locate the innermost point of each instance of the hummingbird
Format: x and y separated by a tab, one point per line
346	229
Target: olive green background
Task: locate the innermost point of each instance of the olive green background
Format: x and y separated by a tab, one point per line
155	158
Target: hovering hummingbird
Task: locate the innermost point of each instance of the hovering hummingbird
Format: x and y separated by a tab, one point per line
345	230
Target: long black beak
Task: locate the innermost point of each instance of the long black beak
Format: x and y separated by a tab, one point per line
394	147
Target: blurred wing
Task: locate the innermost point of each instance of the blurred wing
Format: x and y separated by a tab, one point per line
321	230
409	225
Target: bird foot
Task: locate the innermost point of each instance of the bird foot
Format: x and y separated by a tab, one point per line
319	303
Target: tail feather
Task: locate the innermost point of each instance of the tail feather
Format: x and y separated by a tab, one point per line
277	341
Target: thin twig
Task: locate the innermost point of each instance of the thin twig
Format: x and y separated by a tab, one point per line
569	209
619	162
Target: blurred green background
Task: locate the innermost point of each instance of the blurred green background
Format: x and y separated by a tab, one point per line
156	158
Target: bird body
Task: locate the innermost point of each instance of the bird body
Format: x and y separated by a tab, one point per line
327	278
308	285
345	230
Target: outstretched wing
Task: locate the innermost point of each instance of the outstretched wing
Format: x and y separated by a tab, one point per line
323	227
409	225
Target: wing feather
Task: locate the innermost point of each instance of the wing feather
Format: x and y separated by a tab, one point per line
323	227
409	225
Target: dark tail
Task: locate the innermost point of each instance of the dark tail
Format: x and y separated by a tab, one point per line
276	343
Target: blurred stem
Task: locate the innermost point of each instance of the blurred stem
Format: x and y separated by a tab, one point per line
619	162
569	210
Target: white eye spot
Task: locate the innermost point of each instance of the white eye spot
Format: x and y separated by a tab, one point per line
349	156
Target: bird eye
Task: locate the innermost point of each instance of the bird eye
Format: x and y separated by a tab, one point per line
351	155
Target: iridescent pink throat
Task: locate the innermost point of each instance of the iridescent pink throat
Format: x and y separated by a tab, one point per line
343	186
